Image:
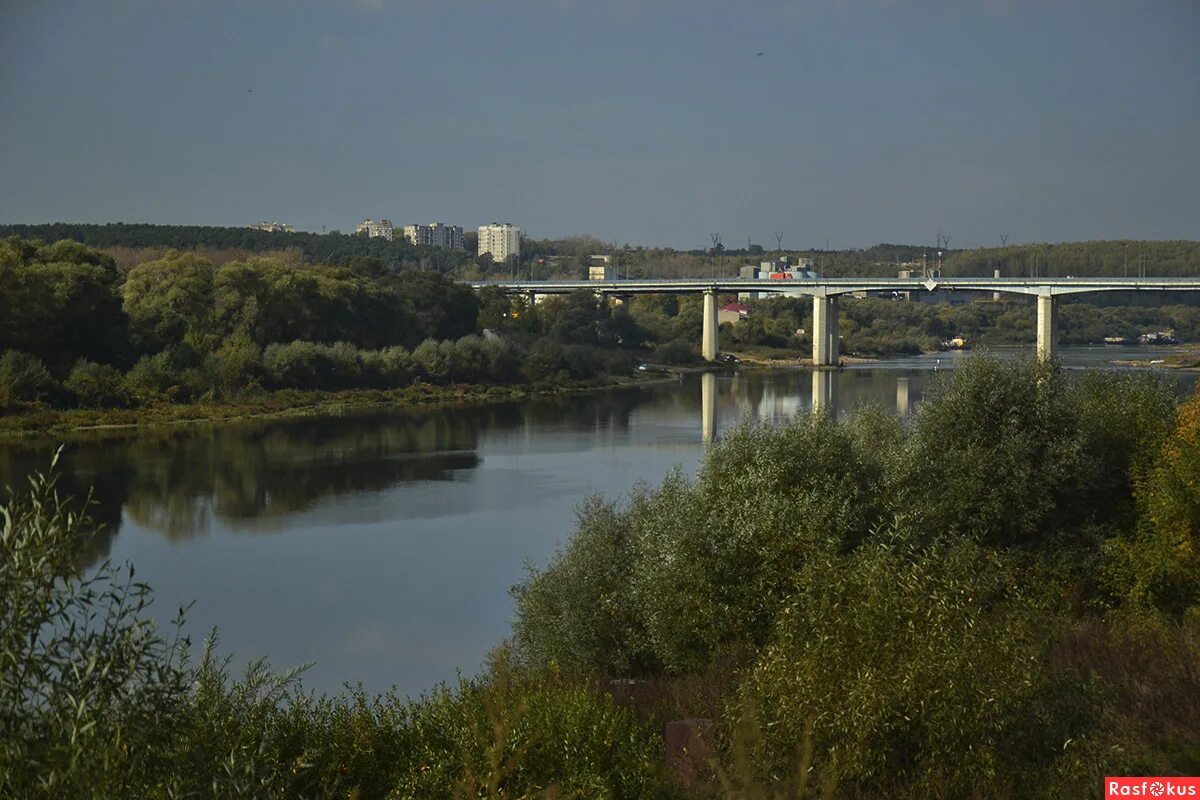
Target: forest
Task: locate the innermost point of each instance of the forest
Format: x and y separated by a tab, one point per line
80	331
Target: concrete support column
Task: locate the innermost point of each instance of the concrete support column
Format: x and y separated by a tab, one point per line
708	340
1047	328
996	295
825	339
902	397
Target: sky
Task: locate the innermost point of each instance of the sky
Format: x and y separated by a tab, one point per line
652	122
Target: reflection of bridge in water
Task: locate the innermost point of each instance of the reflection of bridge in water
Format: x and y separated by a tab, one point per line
774	406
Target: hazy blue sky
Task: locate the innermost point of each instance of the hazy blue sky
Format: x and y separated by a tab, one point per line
647	121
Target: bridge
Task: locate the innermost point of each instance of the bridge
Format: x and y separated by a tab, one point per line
826	291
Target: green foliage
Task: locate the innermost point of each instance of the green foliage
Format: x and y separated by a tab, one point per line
90	692
169	299
96	385
693	570
95	702
906	601
518	735
238	364
923	672
1010	453
1157	566
60	302
24	379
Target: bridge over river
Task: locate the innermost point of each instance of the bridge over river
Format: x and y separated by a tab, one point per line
826	291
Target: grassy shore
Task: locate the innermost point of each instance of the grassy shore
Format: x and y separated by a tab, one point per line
33	421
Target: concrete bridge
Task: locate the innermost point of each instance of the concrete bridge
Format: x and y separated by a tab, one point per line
826	291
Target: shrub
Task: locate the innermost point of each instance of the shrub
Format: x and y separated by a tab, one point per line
90	693
389	368
97	385
238	364
23	379
997	453
675	351
94	702
343	366
432	361
466	359
151	377
503	360
922	673
296	365
1158	567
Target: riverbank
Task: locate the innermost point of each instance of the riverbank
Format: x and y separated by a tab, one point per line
1187	361
306	403
782	357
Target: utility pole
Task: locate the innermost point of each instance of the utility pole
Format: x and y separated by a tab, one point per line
779	241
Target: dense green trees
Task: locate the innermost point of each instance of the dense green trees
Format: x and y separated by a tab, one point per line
60	302
184	329
908	602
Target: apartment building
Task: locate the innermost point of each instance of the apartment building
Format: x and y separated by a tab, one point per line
372	228
500	239
435	235
272	227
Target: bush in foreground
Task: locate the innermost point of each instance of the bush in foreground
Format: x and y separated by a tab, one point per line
96	702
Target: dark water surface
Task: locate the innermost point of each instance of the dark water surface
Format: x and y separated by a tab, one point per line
382	546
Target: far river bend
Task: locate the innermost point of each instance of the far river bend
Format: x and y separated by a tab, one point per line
381	546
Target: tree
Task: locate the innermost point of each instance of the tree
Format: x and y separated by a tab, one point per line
170	299
59	302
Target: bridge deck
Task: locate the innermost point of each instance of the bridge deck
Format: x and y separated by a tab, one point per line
828	287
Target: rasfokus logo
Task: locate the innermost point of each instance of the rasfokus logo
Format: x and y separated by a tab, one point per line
1151	787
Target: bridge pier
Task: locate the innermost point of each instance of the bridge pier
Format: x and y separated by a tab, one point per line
1047	327
709	345
825	339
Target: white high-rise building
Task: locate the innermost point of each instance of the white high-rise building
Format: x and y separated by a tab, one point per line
500	239
435	235
372	228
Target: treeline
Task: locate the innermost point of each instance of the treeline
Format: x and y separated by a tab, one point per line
76	330
1099	258
565	257
1000	598
325	248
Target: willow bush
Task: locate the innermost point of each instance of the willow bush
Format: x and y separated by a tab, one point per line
911	594
96	701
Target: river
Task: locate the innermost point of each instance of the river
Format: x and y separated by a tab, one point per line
380	547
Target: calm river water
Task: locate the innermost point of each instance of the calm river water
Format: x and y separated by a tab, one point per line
381	547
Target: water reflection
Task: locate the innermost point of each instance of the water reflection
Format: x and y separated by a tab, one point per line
777	397
398	534
903	396
708	406
824	391
181	482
